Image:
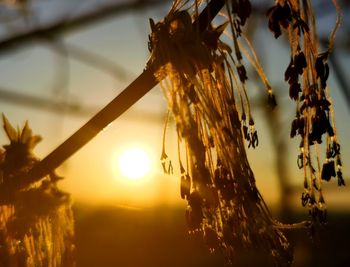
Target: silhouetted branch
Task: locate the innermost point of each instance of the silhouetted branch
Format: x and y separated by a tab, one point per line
344	87
61	80
97	61
135	91
72	108
45	103
54	30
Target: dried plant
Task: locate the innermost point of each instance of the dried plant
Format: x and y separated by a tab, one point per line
314	111
36	223
204	82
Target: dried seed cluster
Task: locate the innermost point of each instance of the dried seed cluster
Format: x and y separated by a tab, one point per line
205	88
307	75
36	224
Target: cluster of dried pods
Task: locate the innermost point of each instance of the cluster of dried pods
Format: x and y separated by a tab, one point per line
204	82
307	75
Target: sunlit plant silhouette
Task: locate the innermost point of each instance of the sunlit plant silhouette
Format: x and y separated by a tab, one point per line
204	81
36	224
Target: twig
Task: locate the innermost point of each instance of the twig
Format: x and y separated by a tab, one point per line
11	96
57	28
72	108
135	91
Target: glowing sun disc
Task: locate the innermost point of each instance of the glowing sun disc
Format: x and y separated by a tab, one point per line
134	163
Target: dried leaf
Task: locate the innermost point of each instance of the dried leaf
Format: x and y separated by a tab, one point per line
9	130
26	134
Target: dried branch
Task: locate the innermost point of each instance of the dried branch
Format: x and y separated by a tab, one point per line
131	94
22	99
98	61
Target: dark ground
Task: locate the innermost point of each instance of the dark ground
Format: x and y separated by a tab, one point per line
109	236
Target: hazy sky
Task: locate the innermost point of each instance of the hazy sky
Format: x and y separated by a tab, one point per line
90	175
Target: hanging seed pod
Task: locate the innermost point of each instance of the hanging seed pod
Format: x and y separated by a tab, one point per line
322	68
242	73
185	186
294	90
300	25
279	15
341	181
328	170
300	61
253	135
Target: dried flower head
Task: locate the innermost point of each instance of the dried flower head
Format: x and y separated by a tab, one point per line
36	223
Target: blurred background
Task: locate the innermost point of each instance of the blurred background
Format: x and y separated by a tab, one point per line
61	61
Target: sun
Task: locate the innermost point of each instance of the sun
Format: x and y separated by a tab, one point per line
134	163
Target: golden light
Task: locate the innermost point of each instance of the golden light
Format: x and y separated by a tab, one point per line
134	163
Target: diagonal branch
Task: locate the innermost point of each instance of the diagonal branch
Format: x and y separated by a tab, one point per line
339	75
131	94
